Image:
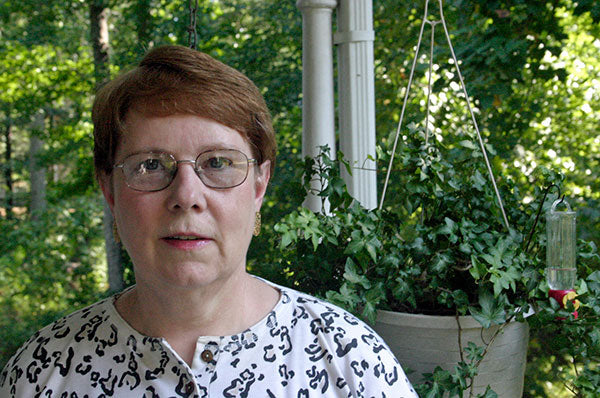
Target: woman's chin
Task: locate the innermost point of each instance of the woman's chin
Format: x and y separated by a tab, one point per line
192	276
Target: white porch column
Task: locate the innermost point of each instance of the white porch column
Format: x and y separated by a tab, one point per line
318	115
356	85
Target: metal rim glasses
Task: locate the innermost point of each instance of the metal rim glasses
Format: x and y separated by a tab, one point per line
154	171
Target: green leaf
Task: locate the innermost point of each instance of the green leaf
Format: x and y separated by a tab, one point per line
494	261
461	300
489	393
583	289
478	180
491	312
440	262
351	275
315	240
465	248
448	228
286	239
468	144
474	352
370	312
371	247
504	279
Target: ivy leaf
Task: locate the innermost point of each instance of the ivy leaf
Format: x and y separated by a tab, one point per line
489	393
351	275
372	299
491	312
448	228
583	289
465	247
478	180
593	282
372	246
461	300
504	279
478	269
595	337
370	312
474	352
286	239
440	262
454	183
315	238
494	260
468	144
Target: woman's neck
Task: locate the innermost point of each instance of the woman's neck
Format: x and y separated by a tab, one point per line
181	316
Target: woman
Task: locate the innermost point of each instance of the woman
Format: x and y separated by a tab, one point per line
184	149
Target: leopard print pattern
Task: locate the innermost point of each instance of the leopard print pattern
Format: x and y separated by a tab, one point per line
303	348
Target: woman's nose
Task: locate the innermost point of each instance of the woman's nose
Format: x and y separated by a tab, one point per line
186	190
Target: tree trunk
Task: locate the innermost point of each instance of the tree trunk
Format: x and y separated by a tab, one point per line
100	44
113	253
9	202
37	172
100	41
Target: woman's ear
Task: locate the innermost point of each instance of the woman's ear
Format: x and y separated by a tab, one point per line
105	182
261	181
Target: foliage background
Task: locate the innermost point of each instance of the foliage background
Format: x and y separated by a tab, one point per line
532	68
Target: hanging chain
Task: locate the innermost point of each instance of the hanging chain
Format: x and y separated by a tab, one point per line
192	35
464	89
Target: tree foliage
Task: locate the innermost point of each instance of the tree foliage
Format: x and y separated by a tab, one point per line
530	66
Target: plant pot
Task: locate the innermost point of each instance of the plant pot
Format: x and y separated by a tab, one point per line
423	342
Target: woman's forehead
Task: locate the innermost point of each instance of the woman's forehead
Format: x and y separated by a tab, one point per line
178	133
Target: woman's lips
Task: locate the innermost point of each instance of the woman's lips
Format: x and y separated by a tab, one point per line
186	241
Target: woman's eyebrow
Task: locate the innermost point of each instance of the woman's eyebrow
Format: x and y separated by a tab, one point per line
207	148
149	150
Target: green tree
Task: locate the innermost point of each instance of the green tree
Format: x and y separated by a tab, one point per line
530	66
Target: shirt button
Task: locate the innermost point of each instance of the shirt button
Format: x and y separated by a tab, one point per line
189	387
206	355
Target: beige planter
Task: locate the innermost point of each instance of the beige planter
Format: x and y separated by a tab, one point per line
422	342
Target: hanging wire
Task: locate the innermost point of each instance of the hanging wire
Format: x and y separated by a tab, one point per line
412	72
537	216
192	34
431	45
464	89
481	144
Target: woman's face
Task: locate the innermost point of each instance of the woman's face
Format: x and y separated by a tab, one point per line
187	235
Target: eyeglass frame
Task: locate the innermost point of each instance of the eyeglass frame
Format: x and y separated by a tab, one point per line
192	162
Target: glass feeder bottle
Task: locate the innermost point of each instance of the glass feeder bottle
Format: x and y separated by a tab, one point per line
561	248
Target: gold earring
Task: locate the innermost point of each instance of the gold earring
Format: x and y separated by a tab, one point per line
257	224
115	232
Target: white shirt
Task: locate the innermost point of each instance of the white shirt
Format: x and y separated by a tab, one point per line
303	348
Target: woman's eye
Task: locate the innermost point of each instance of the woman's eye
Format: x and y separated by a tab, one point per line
217	163
150	165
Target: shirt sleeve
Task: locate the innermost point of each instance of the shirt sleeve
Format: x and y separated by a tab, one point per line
372	370
14	375
359	361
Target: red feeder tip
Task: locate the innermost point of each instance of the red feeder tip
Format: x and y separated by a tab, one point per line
562	296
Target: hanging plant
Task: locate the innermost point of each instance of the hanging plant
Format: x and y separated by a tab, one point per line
442	249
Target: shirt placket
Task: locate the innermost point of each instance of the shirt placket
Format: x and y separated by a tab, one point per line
205	362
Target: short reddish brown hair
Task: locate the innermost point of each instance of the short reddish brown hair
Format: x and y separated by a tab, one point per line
173	80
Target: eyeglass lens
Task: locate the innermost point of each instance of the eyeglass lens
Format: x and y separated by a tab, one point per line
153	171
